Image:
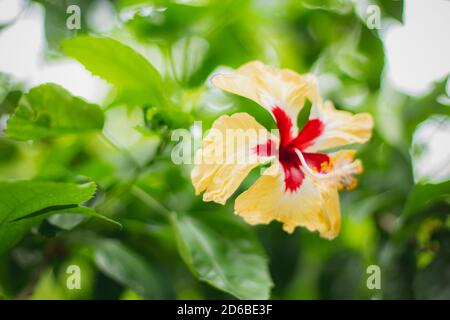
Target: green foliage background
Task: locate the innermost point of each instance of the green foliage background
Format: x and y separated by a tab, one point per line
94	185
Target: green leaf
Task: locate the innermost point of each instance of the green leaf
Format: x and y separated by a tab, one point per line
392	9
23	204
339	6
417	110
77	211
49	110
120	65
341	276
10	93
66	218
433	282
9	104
56	17
371	47
423	195
224	253
128	269
8	151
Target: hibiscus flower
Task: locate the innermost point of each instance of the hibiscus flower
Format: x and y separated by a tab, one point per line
300	187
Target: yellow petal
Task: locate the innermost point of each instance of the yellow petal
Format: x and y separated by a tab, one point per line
341	127
227	156
270	87
314	206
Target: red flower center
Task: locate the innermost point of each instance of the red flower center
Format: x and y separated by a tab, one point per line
289	144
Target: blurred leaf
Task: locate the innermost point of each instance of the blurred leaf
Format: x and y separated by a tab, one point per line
120	65
188	55
341	276
8	150
371	46
433	282
224	253
392	8
4	26
10	93
167	22
49	110
59	159
398	265
355	55
417	110
24	204
303	115
130	295
48	288
56	16
281	246
423	195
10	102
340	6
129	269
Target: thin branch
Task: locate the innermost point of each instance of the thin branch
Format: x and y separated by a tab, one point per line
52	249
106	137
151	202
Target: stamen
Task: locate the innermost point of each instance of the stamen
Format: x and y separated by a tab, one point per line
341	176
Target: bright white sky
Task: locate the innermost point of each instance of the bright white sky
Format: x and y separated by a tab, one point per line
418	53
21	55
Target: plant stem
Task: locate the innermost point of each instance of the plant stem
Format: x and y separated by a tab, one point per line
106	138
52	249
151	202
137	191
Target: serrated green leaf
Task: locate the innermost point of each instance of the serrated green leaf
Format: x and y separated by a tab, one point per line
24	204
49	110
31	199
224	253
132	74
